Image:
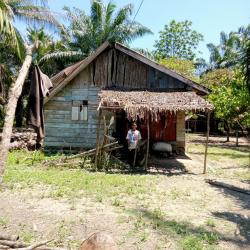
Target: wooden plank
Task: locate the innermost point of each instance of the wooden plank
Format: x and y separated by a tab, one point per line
148	134
70	139
72	125
206	146
52	132
86	144
98	139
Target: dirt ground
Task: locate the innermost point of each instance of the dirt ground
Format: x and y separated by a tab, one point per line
180	194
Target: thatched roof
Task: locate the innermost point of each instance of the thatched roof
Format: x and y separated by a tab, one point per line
140	102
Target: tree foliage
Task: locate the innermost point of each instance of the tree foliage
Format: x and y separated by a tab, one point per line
184	67
217	77
177	39
31	12
105	23
232	101
228	77
226	53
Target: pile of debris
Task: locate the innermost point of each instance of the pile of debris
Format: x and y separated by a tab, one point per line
97	241
22	139
8	242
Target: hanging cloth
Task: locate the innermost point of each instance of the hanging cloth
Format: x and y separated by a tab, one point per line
39	89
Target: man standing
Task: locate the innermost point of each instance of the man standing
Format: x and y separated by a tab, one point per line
133	138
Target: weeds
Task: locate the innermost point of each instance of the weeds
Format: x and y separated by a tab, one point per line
210	223
3	222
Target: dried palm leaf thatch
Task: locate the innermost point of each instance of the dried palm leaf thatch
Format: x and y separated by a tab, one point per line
139	103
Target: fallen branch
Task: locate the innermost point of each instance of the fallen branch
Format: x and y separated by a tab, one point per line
112	149
228	186
35	245
4	247
62	161
9	237
13	244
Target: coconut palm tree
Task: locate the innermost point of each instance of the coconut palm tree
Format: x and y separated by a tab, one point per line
10	10
105	23
244	36
30	11
226	53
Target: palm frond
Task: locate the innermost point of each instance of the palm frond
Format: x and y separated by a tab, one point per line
36	15
109	12
123	15
96	13
62	55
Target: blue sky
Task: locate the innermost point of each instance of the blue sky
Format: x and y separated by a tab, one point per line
209	17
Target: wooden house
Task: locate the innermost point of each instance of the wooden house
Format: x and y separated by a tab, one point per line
118	81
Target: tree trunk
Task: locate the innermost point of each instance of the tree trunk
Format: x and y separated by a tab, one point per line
14	93
228	130
237	138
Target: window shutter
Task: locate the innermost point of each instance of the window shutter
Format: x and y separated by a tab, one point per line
75	113
83	113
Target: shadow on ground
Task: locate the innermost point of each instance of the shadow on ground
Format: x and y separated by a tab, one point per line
243	225
172	228
242	220
158	166
168	166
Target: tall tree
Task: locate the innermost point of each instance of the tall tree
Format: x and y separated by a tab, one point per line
20	8
226	54
30	11
177	39
244	36
105	23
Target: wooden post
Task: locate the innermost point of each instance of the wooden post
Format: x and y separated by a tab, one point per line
148	133
98	138
135	155
206	146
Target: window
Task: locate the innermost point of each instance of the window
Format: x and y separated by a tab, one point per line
79	110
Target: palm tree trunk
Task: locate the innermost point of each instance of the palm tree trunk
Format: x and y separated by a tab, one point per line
14	93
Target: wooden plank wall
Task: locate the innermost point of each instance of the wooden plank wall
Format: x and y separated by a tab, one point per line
180	130
60	130
115	69
110	69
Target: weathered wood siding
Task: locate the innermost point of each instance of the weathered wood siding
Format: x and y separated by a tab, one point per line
180	129
114	69
60	130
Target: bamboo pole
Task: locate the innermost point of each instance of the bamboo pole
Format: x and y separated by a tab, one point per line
148	133
98	138
206	146
135	155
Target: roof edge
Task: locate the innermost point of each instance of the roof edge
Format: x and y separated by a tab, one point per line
130	52
84	63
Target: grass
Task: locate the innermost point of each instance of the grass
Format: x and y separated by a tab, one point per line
69	183
137	198
3	222
188	236
27	236
221	154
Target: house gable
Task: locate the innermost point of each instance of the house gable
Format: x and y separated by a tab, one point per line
116	66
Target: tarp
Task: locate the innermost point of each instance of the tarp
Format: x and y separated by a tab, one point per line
39	88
